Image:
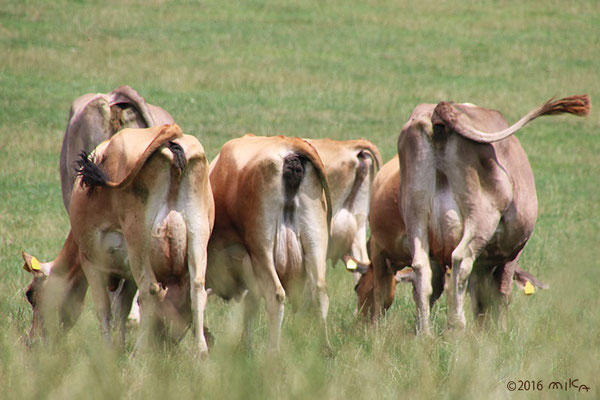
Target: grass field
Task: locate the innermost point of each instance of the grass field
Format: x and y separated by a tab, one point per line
345	69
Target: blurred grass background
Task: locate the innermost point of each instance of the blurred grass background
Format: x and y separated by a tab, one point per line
342	70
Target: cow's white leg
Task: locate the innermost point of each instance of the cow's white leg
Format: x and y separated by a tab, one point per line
273	293
197	267
462	264
98	282
422	288
315	265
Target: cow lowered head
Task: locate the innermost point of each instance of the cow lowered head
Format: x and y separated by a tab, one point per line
64	294
365	292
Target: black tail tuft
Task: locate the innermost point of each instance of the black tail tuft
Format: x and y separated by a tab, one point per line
179	160
90	173
293	173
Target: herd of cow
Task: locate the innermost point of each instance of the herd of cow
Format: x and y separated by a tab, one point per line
453	210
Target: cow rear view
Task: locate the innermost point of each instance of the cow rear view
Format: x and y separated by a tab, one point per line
271	226
142	210
468	199
351	166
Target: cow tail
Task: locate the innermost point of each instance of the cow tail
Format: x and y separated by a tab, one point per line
288	253
90	172
179	159
307	151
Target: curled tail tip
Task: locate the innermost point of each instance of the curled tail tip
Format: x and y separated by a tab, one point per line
578	105
90	173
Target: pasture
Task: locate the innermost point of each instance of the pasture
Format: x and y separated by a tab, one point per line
313	69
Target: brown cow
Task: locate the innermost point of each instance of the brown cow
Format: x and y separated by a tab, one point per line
467	195
94	118
270	236
351	166
142	209
390	253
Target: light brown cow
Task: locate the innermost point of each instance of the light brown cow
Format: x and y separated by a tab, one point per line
96	117
390	254
142	209
272	214
93	118
467	195
351	166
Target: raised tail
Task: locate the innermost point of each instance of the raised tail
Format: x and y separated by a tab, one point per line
116	163
307	151
445	113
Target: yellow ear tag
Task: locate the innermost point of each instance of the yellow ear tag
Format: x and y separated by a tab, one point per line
351	265
35	264
529	289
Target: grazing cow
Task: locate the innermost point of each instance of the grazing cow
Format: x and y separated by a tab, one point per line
467	195
351	166
390	253
272	215
142	209
93	118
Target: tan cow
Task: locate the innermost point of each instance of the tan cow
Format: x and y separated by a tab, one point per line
96	117
468	196
93	118
142	209
272	214
351	166
390	254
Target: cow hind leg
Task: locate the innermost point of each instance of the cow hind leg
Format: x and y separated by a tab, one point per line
251	304
316	268
381	280
197	267
121	306
98	282
149	294
481	290
463	258
273	293
422	288
503	286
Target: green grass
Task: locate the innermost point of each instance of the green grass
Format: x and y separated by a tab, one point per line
314	69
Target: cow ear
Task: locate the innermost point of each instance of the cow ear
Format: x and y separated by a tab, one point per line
353	265
404	275
32	264
527	282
